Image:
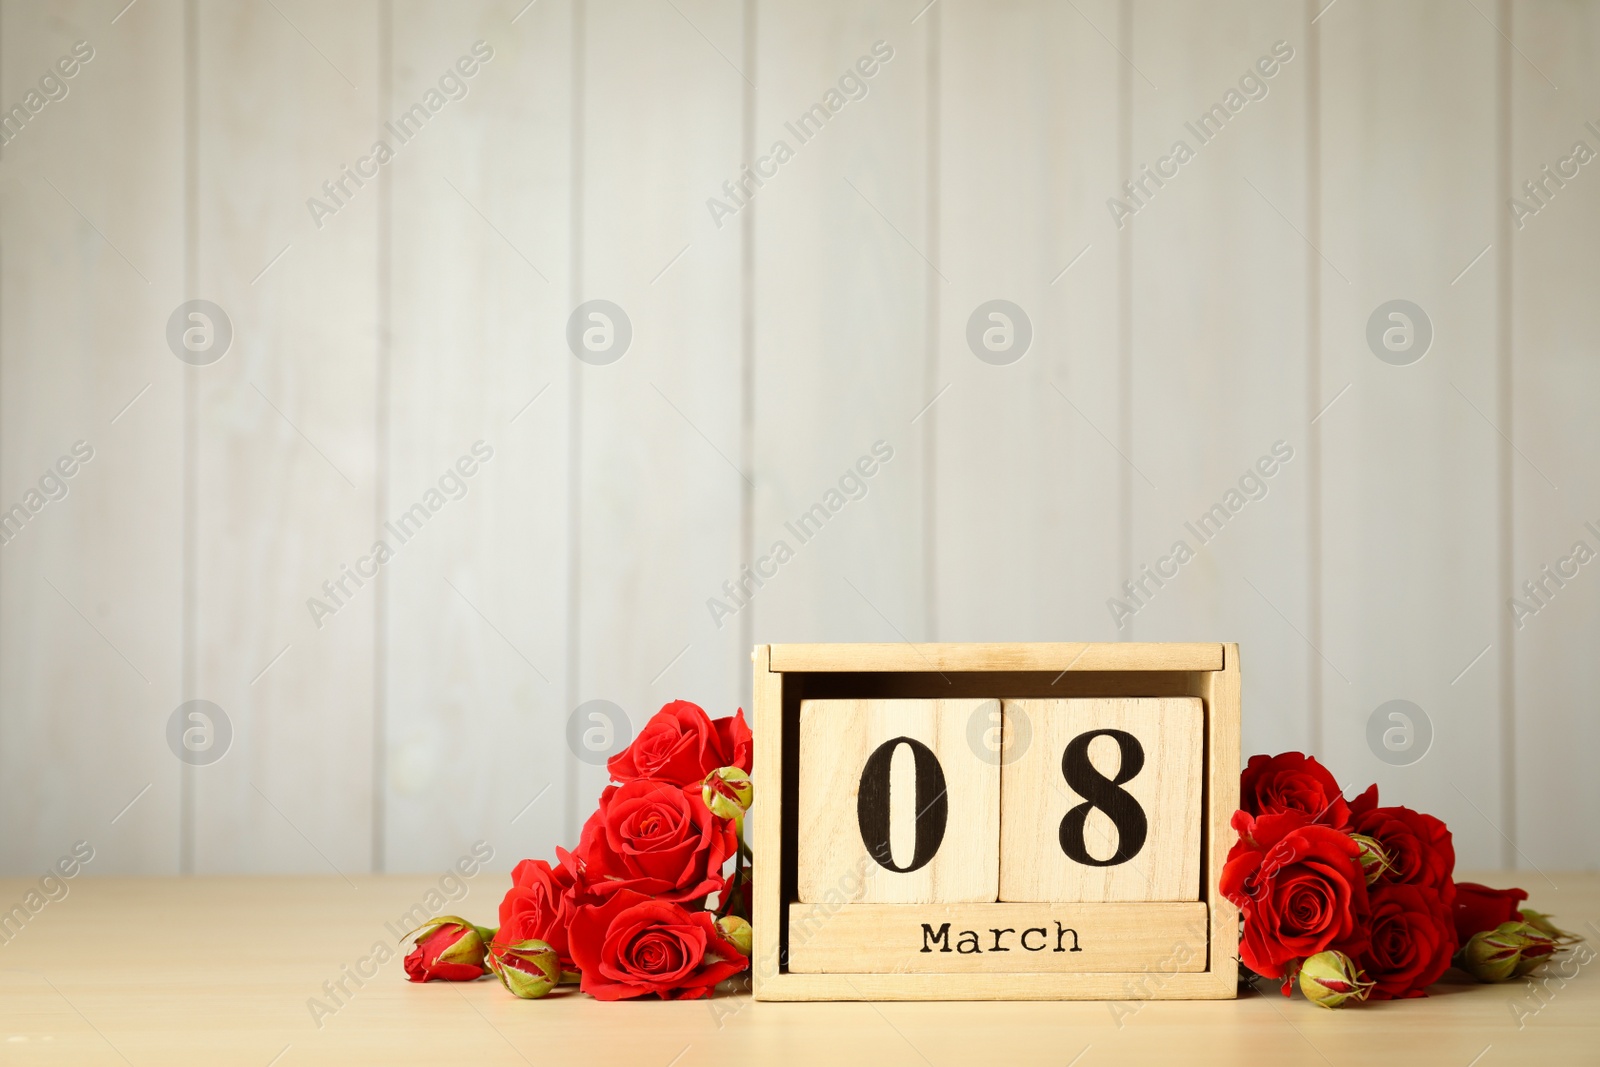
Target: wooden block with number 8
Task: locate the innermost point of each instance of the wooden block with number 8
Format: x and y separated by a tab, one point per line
1104	802
897	806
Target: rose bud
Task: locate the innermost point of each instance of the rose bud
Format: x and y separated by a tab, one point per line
1374	860
1332	979
449	949
1532	959
529	969
728	791
1488	957
737	932
1541	922
1510	949
1535	946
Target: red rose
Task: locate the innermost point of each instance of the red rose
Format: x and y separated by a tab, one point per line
451	951
655	838
631	946
1479	908
1420	849
1300	887
681	745
1411	941
1291	781
538	907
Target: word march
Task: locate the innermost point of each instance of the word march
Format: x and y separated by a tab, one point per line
967	942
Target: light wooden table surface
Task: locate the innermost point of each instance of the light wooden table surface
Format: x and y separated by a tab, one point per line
219	971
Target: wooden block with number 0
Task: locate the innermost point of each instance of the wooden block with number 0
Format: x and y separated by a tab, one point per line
1104	802
897	805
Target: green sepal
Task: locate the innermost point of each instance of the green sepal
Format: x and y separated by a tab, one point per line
442	920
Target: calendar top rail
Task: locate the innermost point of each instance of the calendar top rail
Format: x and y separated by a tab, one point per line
1041	656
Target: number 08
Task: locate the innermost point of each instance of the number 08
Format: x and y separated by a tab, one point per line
933	812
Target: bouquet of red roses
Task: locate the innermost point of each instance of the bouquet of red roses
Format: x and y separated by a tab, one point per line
1356	900
647	902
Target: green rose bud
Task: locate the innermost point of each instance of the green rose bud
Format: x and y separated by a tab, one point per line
1536	947
529	969
1332	979
737	931
485	933
1510	949
1374	860
448	948
728	791
1541	922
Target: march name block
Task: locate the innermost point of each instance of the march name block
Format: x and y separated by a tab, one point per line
996	938
994	821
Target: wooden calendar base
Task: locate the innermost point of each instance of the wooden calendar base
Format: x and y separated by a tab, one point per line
996	938
917	929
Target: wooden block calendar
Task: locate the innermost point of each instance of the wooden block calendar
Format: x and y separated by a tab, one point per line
986	822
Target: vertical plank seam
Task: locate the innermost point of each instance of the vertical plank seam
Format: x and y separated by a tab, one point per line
1313	223
931	313
744	668
1125	304
191	429
574	408
1505	483
3	245
380	493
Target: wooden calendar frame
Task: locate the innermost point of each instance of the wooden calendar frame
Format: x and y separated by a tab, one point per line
786	674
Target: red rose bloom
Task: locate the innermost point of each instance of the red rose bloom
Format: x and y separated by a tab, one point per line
631	946
1421	851
1412	940
1300	887
655	838
538	907
681	745
1292	781
1479	908
449	953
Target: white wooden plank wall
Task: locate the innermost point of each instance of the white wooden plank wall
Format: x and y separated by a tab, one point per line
1553	381
1029	121
1410	453
1218	345
844	251
476	675
91	589
779	332
283	437
659	474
